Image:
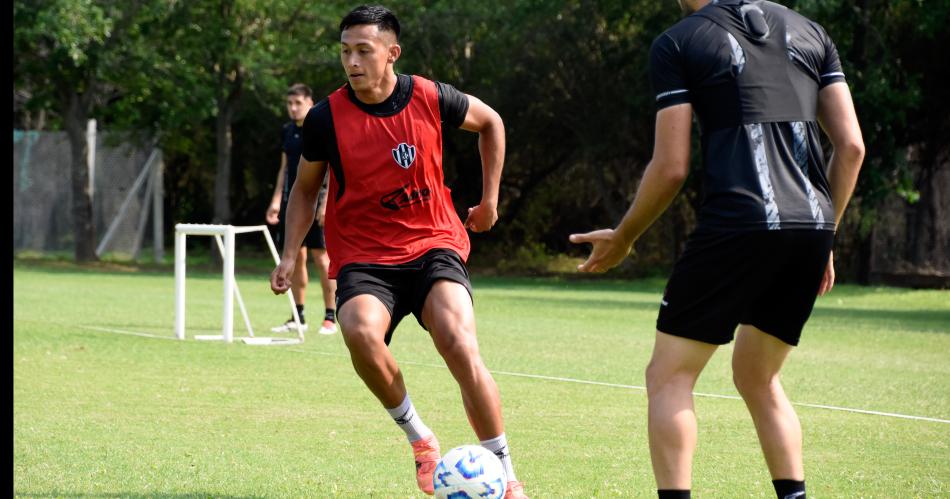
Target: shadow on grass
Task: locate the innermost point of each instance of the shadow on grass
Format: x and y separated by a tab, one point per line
920	320
194	268
571	282
600	303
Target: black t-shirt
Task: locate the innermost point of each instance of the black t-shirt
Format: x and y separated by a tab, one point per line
291	145
320	138
752	71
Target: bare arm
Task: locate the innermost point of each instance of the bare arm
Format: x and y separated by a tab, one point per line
662	180
491	146
837	117
273	211
300	214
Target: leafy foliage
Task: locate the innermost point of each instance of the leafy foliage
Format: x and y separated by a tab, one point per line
568	77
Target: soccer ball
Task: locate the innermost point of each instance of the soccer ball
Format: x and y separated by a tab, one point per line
469	472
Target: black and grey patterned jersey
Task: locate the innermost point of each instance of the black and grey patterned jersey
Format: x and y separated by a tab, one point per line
752	71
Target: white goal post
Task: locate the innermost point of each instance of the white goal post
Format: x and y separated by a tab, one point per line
224	236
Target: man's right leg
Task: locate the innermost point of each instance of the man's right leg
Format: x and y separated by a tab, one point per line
322	261
364	321
670	378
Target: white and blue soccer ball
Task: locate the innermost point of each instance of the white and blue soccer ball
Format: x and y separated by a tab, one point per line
469	472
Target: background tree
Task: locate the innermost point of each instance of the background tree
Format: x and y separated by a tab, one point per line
227	48
569	77
72	57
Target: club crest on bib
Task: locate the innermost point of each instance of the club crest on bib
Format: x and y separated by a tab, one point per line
404	154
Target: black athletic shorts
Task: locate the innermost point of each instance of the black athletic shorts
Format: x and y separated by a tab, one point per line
767	279
402	288
313	240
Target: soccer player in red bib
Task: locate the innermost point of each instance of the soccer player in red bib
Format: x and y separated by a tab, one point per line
395	242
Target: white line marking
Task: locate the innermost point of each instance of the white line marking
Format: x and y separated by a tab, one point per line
563	379
129	333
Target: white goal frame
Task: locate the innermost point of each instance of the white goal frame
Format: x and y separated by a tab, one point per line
224	236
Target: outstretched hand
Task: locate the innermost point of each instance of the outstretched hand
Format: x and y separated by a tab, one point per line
481	218
608	250
280	278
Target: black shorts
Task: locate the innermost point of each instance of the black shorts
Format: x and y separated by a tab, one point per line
766	279
402	288
313	240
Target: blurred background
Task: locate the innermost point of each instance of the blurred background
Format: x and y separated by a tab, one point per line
187	99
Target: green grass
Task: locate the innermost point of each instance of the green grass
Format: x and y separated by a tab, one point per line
99	414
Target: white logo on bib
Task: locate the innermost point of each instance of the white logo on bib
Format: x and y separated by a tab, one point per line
404	155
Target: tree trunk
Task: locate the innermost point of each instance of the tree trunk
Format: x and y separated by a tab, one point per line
84	229
232	86
222	177
929	236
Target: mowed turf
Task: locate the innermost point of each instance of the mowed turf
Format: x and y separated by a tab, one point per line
102	412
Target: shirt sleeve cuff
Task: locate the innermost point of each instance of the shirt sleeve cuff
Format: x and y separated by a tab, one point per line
672	98
829	78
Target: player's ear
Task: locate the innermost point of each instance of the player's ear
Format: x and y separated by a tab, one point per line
394	52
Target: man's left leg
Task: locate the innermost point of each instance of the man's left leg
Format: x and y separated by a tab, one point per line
450	318
756	361
298	288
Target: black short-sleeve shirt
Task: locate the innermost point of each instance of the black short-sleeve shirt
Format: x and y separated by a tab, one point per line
291	143
752	71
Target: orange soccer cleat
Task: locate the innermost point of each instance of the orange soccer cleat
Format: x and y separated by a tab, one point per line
515	490
426	451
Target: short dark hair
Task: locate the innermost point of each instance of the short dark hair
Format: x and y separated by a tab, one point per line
382	17
300	89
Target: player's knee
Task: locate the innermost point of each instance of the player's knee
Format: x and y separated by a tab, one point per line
362	333
458	346
321	258
750	379
655	377
660	377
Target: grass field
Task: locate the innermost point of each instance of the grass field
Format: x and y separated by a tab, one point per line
102	412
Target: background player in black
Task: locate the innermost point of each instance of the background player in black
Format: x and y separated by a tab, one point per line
760	78
299	102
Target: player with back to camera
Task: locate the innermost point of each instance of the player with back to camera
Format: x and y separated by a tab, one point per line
299	101
762	79
396	244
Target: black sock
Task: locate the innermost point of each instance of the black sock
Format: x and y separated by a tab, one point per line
300	313
330	315
672	494
789	489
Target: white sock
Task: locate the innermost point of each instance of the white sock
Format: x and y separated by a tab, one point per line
499	446
405	416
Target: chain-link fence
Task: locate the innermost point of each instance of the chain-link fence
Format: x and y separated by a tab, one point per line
126	181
